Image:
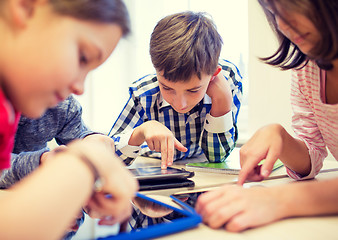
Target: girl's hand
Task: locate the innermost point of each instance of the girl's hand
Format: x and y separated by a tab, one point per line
118	182
109	210
101	138
236	208
74	226
266	143
159	138
46	155
93	137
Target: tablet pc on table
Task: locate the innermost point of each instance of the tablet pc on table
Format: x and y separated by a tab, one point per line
156	173
147	185
185	218
189	198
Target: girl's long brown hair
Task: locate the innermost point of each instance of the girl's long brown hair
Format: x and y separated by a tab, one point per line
324	16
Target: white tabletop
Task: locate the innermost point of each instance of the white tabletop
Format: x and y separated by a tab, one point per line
325	227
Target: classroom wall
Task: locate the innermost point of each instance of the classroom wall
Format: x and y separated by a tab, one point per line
269	88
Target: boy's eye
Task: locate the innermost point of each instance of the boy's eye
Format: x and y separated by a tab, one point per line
166	88
193	91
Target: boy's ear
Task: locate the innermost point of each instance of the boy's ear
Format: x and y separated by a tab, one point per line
21	11
218	70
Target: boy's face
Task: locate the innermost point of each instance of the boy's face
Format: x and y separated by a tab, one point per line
184	96
49	58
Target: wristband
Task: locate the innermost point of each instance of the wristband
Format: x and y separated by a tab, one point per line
98	181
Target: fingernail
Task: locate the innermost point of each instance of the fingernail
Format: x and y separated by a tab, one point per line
265	173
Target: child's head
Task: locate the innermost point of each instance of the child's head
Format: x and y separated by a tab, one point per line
185	44
185	49
48	47
307	29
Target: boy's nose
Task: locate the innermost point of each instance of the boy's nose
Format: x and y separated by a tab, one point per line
180	102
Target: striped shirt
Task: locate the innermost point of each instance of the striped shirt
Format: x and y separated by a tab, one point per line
314	121
197	130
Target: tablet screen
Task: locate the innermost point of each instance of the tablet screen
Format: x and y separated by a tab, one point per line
147	213
152	218
158	173
188	198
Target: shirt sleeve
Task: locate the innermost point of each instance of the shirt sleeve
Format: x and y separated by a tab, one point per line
220	134
305	127
22	165
130	117
73	126
64	123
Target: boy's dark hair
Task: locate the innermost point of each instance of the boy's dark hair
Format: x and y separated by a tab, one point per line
106	11
185	44
324	16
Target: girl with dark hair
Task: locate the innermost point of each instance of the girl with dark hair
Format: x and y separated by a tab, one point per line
308	35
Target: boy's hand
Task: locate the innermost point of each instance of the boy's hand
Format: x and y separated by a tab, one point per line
220	93
159	138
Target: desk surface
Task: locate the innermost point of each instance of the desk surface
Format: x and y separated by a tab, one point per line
325	227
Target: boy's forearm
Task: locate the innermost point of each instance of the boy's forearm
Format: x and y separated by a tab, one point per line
137	137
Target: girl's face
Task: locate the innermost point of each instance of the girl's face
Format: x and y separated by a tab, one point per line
184	96
48	58
299	29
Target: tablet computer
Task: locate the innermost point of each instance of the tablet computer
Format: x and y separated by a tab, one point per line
146	185
176	217
156	173
189	198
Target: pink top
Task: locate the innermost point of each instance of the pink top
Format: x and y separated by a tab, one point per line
8	124
314	121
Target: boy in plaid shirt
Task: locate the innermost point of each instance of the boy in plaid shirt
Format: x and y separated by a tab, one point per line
190	106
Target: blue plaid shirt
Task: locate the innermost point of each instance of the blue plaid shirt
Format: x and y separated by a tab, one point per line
197	130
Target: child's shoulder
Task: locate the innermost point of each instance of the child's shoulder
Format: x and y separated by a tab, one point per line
145	86
229	67
308	75
309	68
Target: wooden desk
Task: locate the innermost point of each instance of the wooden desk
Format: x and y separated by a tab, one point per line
325	227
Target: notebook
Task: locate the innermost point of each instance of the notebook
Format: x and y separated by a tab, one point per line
230	166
